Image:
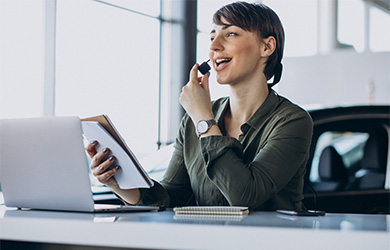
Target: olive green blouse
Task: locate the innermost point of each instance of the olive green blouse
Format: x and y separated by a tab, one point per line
263	169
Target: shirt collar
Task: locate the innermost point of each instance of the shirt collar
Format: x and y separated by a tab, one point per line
220	114
258	118
265	110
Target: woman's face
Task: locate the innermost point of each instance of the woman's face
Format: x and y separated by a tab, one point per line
236	54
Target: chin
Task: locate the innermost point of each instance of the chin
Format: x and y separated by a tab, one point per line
222	80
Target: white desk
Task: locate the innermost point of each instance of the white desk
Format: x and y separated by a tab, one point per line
162	230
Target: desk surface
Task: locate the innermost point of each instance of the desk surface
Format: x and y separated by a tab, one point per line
164	230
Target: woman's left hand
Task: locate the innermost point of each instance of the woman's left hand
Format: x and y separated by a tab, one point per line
195	96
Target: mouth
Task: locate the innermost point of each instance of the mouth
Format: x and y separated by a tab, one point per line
220	61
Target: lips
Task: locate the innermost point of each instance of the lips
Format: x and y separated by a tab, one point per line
222	62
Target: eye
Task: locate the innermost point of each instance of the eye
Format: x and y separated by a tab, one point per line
231	34
211	39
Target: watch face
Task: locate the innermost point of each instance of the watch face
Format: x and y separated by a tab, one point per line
202	126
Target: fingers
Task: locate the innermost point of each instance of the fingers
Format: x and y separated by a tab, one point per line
202	80
103	166
194	72
195	96
107	177
91	148
205	82
98	158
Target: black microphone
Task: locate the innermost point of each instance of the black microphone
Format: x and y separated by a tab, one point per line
204	67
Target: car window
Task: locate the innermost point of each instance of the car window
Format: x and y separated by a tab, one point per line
349	145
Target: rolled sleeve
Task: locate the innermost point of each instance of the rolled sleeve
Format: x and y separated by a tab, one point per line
214	147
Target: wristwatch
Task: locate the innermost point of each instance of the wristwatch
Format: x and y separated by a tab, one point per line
204	125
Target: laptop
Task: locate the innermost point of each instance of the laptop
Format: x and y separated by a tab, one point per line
43	165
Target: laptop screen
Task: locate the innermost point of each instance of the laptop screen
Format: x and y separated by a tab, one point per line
43	164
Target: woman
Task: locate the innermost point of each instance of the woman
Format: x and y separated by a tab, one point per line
247	149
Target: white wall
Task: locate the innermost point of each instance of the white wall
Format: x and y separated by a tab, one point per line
339	78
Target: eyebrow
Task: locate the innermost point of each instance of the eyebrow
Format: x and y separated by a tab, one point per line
225	26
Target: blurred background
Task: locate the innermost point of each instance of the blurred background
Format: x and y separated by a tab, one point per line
129	59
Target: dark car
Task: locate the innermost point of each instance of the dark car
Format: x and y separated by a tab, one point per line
348	169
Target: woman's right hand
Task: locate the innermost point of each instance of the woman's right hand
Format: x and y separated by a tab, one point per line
195	97
100	165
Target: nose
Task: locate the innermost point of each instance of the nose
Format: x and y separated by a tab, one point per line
216	44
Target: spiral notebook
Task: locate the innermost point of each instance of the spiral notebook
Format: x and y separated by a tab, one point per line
211	210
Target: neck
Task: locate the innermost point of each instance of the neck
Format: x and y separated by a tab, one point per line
246	99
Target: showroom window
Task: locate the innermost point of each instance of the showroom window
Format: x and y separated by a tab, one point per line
107	62
21	58
111	56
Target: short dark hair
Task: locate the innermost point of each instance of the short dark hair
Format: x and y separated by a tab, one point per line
261	19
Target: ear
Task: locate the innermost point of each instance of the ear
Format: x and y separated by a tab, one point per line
269	46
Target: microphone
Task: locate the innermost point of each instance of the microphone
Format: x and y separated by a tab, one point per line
204	67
